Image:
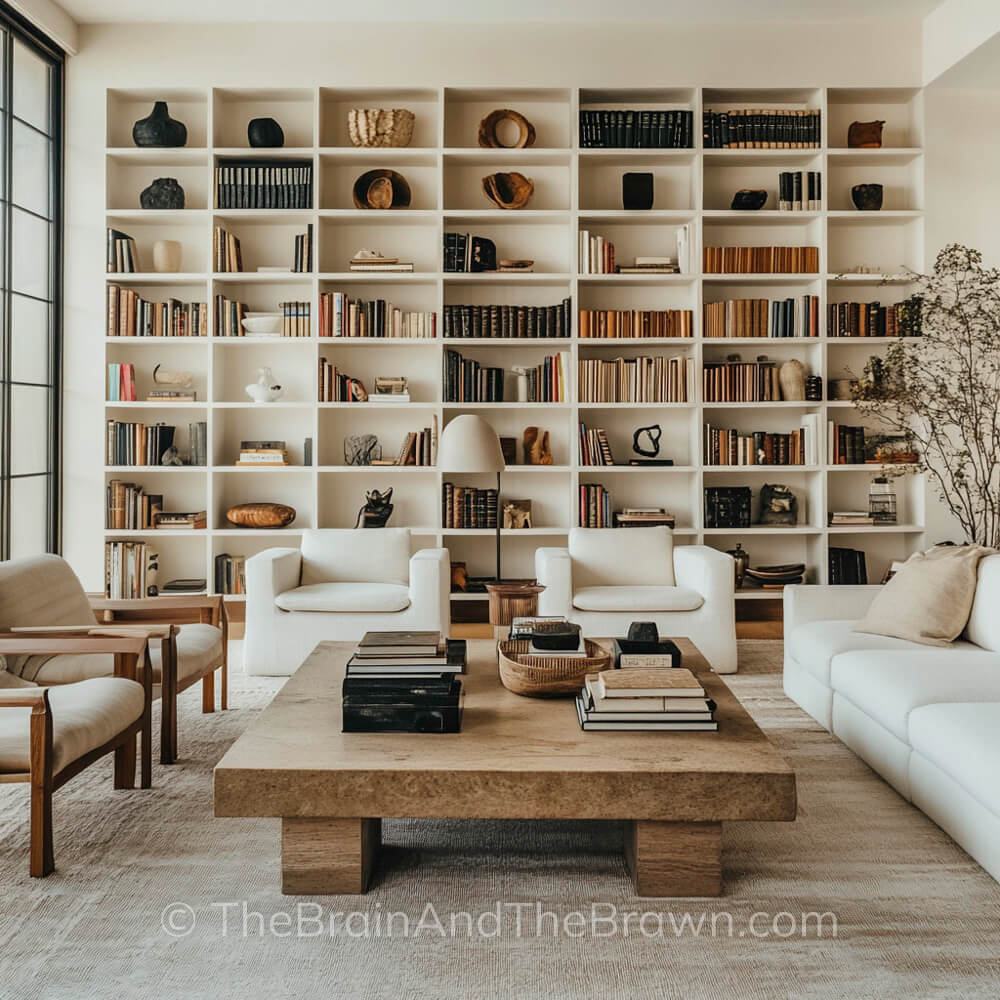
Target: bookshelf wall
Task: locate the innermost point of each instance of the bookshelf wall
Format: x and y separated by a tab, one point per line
575	189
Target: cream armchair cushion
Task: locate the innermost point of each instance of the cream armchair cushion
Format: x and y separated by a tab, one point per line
347	555
345	597
628	557
637	598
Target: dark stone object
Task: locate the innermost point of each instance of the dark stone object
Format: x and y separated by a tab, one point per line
376	511
778	505
164	192
484	254
867	197
637	191
159	129
265	133
643	632
749	199
653	434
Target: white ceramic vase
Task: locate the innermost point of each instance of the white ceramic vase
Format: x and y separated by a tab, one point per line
167	256
265	389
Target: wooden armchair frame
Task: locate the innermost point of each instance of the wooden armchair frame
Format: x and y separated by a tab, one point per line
129	653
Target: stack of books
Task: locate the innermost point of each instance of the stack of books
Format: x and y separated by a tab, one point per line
597	255
263	453
121	383
645	700
404	682
650	265
227	254
380	263
123	257
847	566
790	191
644	517
777	577
521	266
338	387
178	395
191	520
594	446
304	250
230	574
859	517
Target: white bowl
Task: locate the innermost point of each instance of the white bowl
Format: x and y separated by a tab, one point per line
263	324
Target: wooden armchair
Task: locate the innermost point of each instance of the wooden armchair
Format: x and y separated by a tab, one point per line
72	726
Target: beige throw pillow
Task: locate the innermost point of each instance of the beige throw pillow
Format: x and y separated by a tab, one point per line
930	598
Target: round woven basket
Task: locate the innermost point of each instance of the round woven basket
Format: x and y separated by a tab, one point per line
547	676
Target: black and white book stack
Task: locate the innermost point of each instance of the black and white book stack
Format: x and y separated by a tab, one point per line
651	699
404	682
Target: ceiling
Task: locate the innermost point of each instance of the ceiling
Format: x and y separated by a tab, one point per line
678	11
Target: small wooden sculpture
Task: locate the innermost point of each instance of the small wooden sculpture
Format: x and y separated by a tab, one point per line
508	190
536	447
865	135
488	129
517	514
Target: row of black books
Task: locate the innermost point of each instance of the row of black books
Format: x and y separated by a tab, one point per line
508	321
468	507
790	191
847	566
464	252
630	128
263	184
727	506
230	574
845	444
467	381
404	682
872	319
763	128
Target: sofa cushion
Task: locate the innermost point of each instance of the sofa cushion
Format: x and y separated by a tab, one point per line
345	555
984	621
345	597
637	599
963	740
624	557
815	644
84	717
888	686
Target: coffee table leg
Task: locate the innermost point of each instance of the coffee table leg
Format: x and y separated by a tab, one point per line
326	856
674	859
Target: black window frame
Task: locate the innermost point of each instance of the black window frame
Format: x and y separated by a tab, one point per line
16	27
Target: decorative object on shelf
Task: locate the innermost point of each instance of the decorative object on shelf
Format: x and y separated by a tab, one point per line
376	262
513	599
459	577
517	514
265	133
163	193
778	505
643	632
792	378
867	197
882	501
265	389
749	199
159	129
508	189
381	188
261	515
637	190
380	126
777	577
171	456
536	447
842	389
554	676
361	449
376	511
488	130
484	254
741	562
652	434
522	265
508	446
890	449
167	256
262	324
814	388
865	135
180	386
727	506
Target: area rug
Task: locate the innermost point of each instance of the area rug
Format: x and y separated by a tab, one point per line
153	897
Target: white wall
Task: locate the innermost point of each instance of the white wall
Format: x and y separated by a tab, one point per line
371	55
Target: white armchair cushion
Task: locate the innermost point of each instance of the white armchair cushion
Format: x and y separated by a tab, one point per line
984	621
622	557
347	555
637	598
345	597
84	717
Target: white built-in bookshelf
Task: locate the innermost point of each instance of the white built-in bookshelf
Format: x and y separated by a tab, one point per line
575	189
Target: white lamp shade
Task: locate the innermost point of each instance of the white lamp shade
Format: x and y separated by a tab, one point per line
469	444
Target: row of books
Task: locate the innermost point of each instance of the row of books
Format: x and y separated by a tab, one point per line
547	382
727	446
594	446
847	566
597	255
595	506
740	382
123	255
508	321
337	386
464	252
791	317
227	254
761	260
121	383
467	381
641	379
616	324
419	447
130	315
846	444
630	128
296	319
342	316
645	699
129	570
790	191
127	506
263	184
229	316
872	319
129	443
302	259
230	574
762	128
468	507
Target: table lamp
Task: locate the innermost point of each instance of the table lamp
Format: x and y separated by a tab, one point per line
469	444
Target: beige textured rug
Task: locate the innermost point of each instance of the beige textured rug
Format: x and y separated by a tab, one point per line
915	916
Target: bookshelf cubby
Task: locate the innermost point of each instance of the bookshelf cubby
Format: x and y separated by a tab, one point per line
575	189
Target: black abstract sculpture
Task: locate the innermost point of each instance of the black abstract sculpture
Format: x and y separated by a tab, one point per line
159	129
653	434
265	133
749	199
376	511
164	192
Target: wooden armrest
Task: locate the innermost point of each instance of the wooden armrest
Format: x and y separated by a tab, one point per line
48	645
177	602
37	699
124	631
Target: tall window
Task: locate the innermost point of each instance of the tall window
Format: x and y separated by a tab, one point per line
30	288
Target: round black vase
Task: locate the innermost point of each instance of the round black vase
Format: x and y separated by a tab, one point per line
265	133
159	129
163	193
867	197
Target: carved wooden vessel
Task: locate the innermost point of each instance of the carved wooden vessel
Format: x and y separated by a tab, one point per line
261	515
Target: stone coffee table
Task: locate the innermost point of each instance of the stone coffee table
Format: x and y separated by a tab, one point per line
515	758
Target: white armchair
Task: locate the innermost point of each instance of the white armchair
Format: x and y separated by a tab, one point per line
340	584
608	578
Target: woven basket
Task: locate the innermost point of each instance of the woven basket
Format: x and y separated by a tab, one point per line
547	676
380	126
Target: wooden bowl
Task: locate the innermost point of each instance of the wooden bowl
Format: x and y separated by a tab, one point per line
537	676
381	189
508	189
261	515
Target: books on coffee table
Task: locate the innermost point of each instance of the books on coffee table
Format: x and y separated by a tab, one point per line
636	700
399	643
446	658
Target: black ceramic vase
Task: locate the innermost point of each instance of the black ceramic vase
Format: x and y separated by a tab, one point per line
749	200
159	129
867	197
265	133
164	192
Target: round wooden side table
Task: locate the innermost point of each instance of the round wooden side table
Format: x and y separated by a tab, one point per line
510	599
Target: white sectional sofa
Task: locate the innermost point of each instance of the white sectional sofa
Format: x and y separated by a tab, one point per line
926	718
